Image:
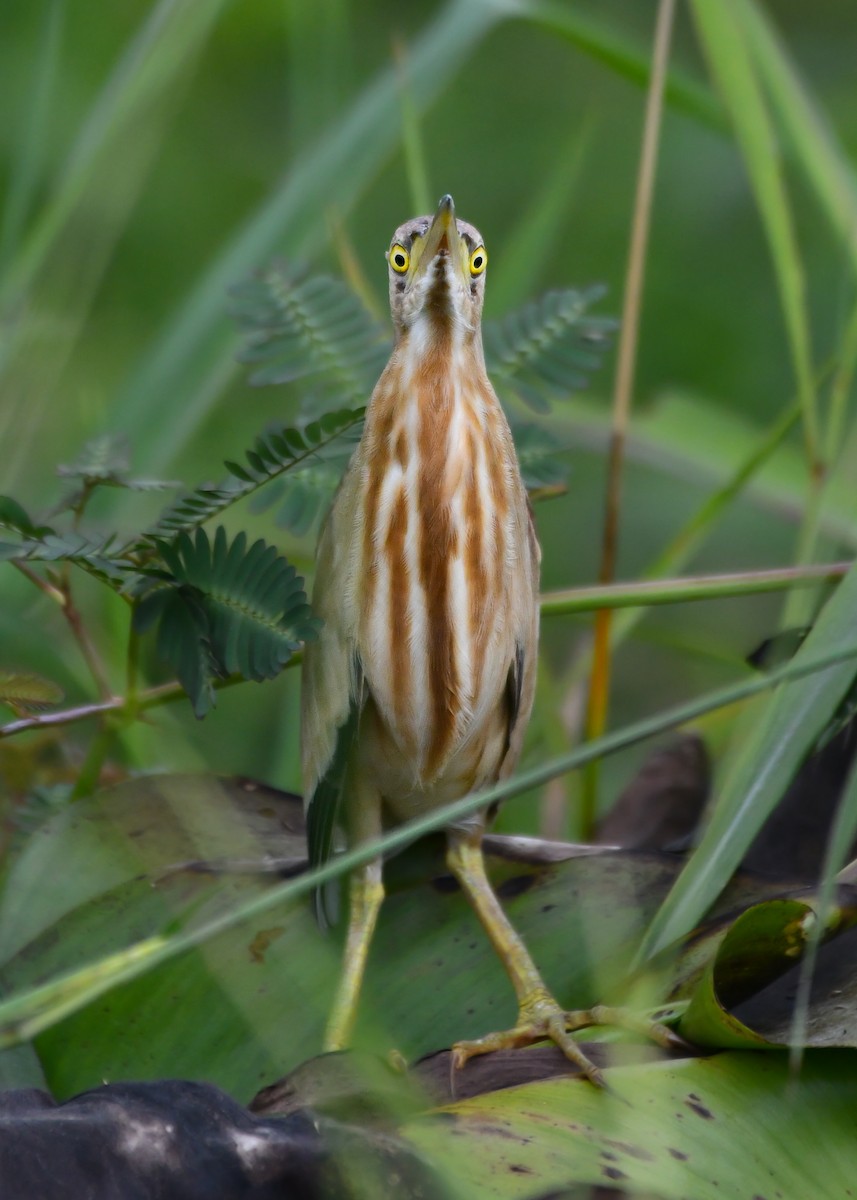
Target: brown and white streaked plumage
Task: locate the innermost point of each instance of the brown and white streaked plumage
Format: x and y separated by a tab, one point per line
420	686
428	565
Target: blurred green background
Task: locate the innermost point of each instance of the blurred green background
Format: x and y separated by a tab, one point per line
153	153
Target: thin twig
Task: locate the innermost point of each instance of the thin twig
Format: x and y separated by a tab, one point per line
600	684
92	658
63	597
82	712
164	693
36	579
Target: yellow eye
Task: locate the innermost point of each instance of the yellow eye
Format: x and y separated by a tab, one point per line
400	260
478	261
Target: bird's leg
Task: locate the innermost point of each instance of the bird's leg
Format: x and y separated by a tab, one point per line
365	892
539	1015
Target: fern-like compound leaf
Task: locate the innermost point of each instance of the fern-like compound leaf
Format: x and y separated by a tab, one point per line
550	346
224	608
271	456
309	326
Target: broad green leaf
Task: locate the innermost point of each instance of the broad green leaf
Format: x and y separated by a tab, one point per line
753	974
734	1125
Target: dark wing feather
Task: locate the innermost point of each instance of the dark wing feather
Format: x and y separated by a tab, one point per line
514	687
325	804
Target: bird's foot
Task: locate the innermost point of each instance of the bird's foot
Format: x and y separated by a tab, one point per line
543	1019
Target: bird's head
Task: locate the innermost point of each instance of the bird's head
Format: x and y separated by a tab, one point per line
437	272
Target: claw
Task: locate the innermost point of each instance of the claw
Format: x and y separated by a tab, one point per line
547	1021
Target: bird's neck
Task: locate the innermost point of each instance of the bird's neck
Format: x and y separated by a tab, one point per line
440	357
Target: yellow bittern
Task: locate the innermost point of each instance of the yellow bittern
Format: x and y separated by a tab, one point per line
420	686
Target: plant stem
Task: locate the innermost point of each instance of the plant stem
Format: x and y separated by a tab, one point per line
155	697
87	647
37	581
90	772
599	692
694	587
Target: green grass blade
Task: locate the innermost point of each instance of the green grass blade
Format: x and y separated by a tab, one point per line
814	144
413	145
694	587
24	173
193	356
783	734
318	67
516	272
724	42
155	60
626	58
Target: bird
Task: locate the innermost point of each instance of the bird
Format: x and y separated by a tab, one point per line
420	684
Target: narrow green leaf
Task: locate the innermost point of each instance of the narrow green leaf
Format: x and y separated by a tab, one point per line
815	146
725	44
783	734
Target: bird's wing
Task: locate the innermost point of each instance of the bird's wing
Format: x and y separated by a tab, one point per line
521	679
332	693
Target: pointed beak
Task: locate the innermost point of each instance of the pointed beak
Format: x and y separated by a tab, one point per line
442	236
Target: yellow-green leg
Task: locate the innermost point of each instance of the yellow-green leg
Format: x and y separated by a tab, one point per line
366	891
539	1015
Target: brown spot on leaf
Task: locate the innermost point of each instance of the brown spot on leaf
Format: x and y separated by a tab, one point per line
631	1150
613	1173
515	886
694	1104
679	1154
262	941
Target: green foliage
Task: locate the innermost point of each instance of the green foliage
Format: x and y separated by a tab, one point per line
26	692
272	455
224	609
302	326
88	344
316	330
104	462
549	347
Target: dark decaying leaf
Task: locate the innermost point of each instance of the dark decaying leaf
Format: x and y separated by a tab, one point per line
225	609
779	649
662	804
